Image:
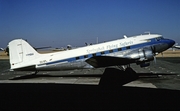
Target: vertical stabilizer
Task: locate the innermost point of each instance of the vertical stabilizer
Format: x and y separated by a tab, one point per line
21	53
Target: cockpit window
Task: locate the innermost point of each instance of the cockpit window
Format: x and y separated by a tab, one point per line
159	38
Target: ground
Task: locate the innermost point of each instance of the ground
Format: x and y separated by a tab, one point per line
153	87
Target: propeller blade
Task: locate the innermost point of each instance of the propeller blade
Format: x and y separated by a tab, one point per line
155	59
153	50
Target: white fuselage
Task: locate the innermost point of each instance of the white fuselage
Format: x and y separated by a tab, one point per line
75	58
92	49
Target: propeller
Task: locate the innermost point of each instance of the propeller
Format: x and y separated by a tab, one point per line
153	48
155	59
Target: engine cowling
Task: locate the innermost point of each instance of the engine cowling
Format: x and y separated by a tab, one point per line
142	55
145	55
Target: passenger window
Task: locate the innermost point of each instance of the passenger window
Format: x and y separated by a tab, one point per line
110	51
128	47
119	49
102	52
93	55
86	56
77	58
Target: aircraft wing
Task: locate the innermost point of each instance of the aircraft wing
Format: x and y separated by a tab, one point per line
2	49
177	47
104	61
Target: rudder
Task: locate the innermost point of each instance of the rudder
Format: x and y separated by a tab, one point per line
21	53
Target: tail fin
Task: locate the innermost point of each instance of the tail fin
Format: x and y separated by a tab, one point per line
21	53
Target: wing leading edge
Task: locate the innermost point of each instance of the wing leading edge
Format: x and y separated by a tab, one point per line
104	61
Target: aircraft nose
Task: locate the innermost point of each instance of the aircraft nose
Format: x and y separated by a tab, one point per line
171	42
167	43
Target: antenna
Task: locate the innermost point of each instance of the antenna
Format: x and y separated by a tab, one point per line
125	36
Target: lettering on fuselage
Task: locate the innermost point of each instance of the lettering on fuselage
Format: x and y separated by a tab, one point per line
43	61
95	49
126	43
30	54
109	47
113	46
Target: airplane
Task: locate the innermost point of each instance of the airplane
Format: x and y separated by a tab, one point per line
1	49
175	46
140	49
178	47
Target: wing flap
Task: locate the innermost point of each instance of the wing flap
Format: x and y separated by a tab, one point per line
104	61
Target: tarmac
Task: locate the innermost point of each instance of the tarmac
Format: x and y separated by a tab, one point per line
156	87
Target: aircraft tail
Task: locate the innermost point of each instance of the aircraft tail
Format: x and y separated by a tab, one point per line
21	54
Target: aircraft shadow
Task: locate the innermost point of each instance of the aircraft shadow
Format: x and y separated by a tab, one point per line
31	76
108	95
109	72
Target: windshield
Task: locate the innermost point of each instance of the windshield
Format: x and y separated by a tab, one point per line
159	38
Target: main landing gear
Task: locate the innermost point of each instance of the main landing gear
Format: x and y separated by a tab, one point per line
126	69
35	72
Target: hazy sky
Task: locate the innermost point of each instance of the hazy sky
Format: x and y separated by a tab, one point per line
58	23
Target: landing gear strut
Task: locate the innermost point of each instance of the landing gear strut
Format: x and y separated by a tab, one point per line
123	67
35	72
126	69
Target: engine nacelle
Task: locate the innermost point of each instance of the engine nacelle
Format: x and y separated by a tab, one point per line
142	55
145	64
145	55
